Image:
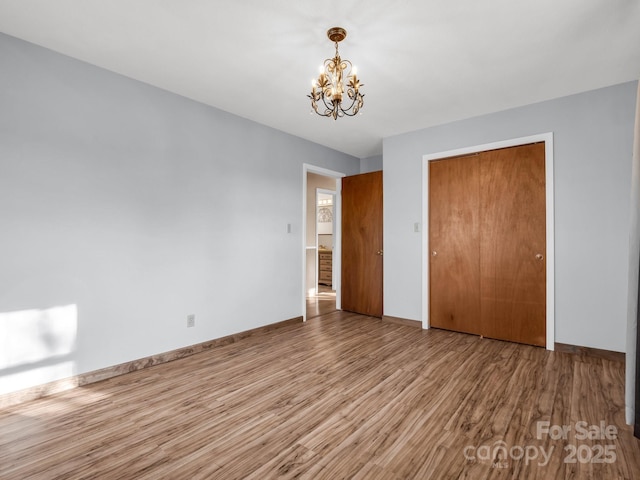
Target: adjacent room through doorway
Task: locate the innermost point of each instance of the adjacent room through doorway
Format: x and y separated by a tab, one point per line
321	271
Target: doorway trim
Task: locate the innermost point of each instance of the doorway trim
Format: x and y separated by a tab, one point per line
337	213
547	138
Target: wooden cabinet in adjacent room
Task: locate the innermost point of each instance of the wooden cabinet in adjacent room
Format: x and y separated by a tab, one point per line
487	244
325	266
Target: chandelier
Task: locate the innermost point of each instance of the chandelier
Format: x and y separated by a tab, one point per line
337	76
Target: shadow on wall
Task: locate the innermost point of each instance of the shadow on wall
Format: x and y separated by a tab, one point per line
37	346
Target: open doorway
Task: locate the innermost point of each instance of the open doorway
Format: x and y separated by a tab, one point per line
321	216
323	299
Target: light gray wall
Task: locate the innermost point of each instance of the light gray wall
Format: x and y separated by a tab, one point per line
371	164
140	207
593	139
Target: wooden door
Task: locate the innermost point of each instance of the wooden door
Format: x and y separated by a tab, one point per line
487	238
513	244
454	266
362	244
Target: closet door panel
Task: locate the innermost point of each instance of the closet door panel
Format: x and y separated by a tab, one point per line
454	266
512	244
362	266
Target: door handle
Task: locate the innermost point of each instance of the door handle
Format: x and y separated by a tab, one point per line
539	257
434	253
379	252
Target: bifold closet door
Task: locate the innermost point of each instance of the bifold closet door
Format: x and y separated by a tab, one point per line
487	238
454	244
513	244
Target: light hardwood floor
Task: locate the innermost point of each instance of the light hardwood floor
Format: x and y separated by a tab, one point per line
321	303
342	396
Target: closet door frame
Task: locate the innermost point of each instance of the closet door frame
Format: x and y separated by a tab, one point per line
547	138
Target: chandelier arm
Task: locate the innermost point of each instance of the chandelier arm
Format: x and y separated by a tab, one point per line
329	107
346	111
328	110
356	98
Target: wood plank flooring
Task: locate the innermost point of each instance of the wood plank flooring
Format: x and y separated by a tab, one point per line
321	303
341	396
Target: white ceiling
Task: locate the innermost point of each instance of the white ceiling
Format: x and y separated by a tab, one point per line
422	62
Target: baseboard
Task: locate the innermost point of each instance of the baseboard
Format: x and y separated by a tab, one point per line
39	391
590	352
402	321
